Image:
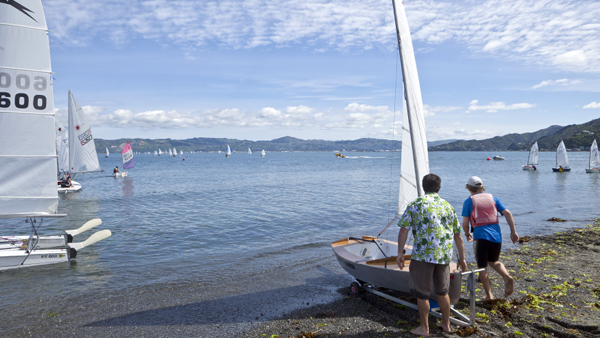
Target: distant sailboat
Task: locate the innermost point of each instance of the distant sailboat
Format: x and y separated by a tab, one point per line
532	161
170	152
127	154
262	154
180	153
562	160
155	153
228	151
62	147
107	153
594	159
249	151
174	152
159	152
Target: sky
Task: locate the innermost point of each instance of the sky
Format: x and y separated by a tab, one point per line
321	69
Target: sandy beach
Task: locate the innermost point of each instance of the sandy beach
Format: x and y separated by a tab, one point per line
556	294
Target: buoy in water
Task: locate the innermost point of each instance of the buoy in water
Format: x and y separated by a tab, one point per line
488	158
184	159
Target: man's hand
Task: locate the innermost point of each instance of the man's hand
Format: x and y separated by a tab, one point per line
463	265
514	237
400	261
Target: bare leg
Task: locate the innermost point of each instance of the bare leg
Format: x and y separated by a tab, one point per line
423	329
485	280
509	282
444	303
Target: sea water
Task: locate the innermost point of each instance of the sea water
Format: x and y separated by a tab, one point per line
245	223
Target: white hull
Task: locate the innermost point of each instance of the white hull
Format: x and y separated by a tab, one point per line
13	259
594	170
123	174
365	262
528	167
44	242
75	186
499	158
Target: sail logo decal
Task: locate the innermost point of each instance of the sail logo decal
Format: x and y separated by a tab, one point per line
86	137
127	156
18	7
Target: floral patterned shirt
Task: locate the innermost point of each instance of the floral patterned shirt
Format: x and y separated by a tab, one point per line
433	222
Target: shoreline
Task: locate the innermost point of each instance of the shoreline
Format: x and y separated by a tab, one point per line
557	294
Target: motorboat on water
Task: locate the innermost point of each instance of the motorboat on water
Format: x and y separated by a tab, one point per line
499	158
340	155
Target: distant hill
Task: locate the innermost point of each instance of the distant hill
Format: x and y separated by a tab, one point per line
501	143
286	143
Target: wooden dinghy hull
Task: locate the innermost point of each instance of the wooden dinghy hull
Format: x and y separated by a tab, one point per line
365	261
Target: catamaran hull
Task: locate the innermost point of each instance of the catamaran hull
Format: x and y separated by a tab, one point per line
372	269
75	186
43	242
14	259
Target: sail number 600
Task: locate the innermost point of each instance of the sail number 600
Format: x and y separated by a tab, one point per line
21	100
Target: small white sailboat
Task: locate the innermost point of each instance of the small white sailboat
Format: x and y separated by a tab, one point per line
372	260
170	152
28	172
181	153
249	151
262	154
155	153
594	159
159	152
107	153
562	160
532	160
228	151
62	147
174	152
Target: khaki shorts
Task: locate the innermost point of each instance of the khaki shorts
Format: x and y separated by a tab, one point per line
421	275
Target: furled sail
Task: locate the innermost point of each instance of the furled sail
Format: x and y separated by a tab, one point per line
533	155
415	159
28	159
82	150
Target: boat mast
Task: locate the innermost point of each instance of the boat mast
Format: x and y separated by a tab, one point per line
409	100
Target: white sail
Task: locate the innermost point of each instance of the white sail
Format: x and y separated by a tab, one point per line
170	152
249	151
263	153
228	150
533	155
155	153
62	147
159	152
415	159
180	153
82	150
594	159
561	156
107	153
174	152
28	158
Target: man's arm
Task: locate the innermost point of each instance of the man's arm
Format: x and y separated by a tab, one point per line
460	245
465	226
402	235
511	223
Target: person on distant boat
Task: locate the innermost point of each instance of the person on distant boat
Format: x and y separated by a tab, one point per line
434	223
561	169
66	181
481	211
534	168
116	170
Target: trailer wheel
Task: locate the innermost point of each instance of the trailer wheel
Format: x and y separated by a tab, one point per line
355	289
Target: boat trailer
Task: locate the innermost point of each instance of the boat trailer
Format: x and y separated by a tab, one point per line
433	308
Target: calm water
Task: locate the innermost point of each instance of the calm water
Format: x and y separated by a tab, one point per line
214	221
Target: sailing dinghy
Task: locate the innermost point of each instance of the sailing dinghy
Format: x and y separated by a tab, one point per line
262	154
532	160
228	151
372	260
29	163
249	151
107	153
594	159
127	154
562	160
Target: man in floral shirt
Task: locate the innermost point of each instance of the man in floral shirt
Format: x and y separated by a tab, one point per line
434	223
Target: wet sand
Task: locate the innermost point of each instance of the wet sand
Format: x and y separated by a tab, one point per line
557	292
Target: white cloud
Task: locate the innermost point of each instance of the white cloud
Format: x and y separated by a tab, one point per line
592	105
561	82
269	113
430	111
550	33
493	107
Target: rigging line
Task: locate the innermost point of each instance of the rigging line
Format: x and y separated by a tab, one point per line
393	139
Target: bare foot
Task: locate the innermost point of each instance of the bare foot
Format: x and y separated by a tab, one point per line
486	298
420	331
509	286
446	329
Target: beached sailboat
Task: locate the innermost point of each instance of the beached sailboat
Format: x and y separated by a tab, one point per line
532	160
228	151
262	154
372	260
127	154
28	171
562	160
594	159
249	151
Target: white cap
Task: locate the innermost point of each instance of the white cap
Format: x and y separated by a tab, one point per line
475	182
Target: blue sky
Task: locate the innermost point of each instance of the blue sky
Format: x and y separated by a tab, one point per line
263	69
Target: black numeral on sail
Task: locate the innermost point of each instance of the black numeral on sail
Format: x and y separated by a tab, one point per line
22	101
